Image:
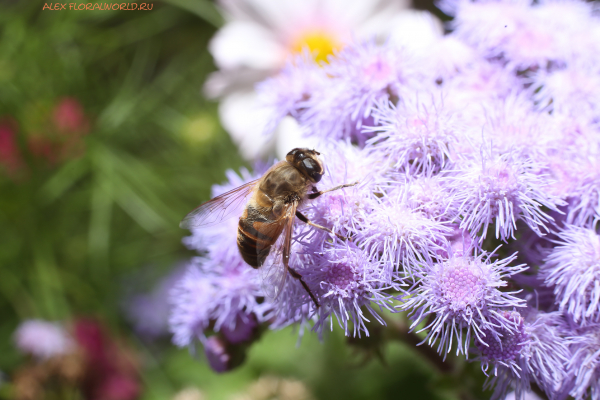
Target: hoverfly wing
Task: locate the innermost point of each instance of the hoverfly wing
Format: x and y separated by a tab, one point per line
275	271
273	275
220	208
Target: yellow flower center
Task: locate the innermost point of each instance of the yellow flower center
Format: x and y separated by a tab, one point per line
320	44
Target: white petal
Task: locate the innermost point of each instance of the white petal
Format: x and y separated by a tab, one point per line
289	136
284	18
222	83
527	396
369	19
244	120
246	44
417	30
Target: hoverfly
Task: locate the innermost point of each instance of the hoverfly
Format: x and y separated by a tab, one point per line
273	203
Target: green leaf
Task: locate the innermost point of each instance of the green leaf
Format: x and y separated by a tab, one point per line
202	8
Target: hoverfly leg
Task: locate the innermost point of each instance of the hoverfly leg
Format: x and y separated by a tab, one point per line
304	219
320	192
296	275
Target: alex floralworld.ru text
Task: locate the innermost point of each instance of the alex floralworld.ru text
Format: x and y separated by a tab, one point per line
97	6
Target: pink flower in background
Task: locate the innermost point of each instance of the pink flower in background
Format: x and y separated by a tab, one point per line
69	117
62	138
82	358
111	371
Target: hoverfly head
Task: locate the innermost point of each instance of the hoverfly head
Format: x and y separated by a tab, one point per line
307	162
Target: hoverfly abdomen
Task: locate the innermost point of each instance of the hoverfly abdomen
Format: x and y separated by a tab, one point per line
253	240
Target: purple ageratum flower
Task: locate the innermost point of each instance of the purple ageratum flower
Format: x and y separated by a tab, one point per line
516	126
573	91
285	93
214	295
149	312
43	339
502	189
360	76
584	194
460	243
348	282
485	24
584	202
522	35
531	350
573	270
401	235
462	296
577	21
346	211
432	195
414	136
583	369
478	88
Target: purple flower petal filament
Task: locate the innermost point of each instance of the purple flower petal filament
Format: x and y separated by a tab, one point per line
573	270
462	297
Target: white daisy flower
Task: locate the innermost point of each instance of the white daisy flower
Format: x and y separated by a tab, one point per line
257	39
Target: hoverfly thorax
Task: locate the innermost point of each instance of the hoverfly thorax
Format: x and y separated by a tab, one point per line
307	162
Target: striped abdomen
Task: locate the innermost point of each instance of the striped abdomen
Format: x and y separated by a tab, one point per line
256	235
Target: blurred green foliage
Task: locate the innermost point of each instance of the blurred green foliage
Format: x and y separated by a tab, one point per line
73	230
70	230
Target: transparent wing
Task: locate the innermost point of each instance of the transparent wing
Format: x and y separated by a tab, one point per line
220	208
275	270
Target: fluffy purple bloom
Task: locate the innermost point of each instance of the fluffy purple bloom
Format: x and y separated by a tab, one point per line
584	193
360	76
532	350
214	295
348	282
432	195
573	270
573	91
482	83
501	189
346	211
402	236
514	126
285	93
520	34
416	135
584	366
43	339
462	297
149	312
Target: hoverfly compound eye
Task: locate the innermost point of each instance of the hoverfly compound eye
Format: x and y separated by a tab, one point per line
313	169
293	152
295	155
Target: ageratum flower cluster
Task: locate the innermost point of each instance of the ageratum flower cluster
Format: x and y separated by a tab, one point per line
477	212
